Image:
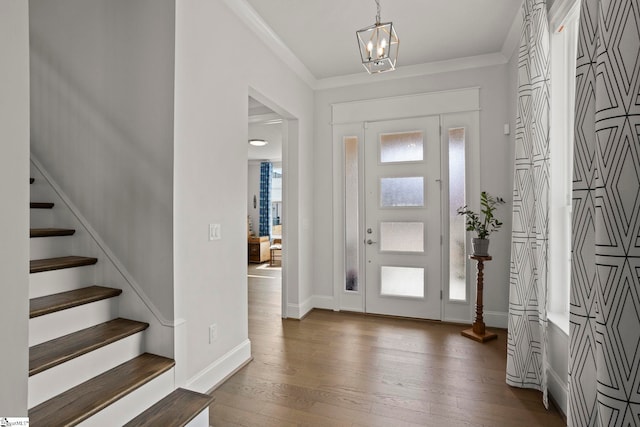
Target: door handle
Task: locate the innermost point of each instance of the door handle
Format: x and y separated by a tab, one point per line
370	242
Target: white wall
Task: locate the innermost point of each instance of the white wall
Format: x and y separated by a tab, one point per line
102	124
495	168
14	187
213	81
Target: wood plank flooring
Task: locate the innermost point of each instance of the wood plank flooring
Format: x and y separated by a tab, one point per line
342	369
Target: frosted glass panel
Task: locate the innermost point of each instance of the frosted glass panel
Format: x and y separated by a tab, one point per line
457	236
402	192
402	281
402	236
352	236
401	147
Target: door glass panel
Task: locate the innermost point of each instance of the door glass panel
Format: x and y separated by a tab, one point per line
402	236
402	192
457	234
351	202
401	147
402	281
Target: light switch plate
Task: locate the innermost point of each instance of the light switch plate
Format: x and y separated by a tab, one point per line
215	232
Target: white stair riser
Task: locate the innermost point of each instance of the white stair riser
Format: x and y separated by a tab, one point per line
40	187
54	325
67	279
49	247
40	218
202	420
58	379
130	406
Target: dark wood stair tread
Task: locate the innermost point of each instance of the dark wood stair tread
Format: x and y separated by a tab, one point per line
81	402
52	353
41	205
64	300
50	232
178	408
47	264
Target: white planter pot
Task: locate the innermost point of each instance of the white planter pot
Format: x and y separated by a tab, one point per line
480	246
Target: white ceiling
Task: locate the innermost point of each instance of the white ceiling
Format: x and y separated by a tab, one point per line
265	124
321	36
321	33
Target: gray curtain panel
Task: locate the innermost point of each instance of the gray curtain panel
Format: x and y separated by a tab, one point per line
526	341
604	365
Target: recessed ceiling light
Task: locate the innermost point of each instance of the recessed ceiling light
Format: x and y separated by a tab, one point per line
258	142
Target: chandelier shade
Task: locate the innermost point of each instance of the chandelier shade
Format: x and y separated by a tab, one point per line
378	45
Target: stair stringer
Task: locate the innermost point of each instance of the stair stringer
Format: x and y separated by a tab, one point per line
109	271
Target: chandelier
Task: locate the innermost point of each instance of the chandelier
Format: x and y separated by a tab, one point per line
378	45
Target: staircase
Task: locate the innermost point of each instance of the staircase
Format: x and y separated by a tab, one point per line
87	365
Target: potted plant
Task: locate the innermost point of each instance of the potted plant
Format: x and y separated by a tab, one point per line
483	223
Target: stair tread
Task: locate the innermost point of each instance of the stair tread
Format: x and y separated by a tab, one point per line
50	232
181	406
59	350
81	402
41	205
64	300
47	264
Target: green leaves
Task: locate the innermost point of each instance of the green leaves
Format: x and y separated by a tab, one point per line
484	223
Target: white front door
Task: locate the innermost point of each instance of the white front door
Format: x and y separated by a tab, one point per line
402	229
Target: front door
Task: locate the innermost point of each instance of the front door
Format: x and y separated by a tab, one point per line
402	230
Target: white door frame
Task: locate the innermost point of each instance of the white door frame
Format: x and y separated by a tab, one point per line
290	136
417	105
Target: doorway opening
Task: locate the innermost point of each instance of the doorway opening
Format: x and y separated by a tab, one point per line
266	198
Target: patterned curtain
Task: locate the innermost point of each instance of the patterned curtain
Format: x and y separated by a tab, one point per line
266	175
604	352
526	341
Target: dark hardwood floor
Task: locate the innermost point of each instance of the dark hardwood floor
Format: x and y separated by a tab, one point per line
342	369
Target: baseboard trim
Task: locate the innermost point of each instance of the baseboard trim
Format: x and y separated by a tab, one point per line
216	373
496	319
558	390
298	311
323	302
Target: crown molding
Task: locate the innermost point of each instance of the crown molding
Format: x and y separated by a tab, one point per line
250	17
512	41
408	71
254	21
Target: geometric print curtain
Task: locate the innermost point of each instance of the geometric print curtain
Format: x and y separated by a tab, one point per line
604	348
527	338
266	176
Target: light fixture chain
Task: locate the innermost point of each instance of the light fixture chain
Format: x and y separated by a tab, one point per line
378	13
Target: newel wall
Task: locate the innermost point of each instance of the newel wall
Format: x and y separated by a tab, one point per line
14	187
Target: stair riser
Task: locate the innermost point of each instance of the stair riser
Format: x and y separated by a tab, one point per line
53	282
50	247
58	379
131	405
202	420
54	325
41	218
